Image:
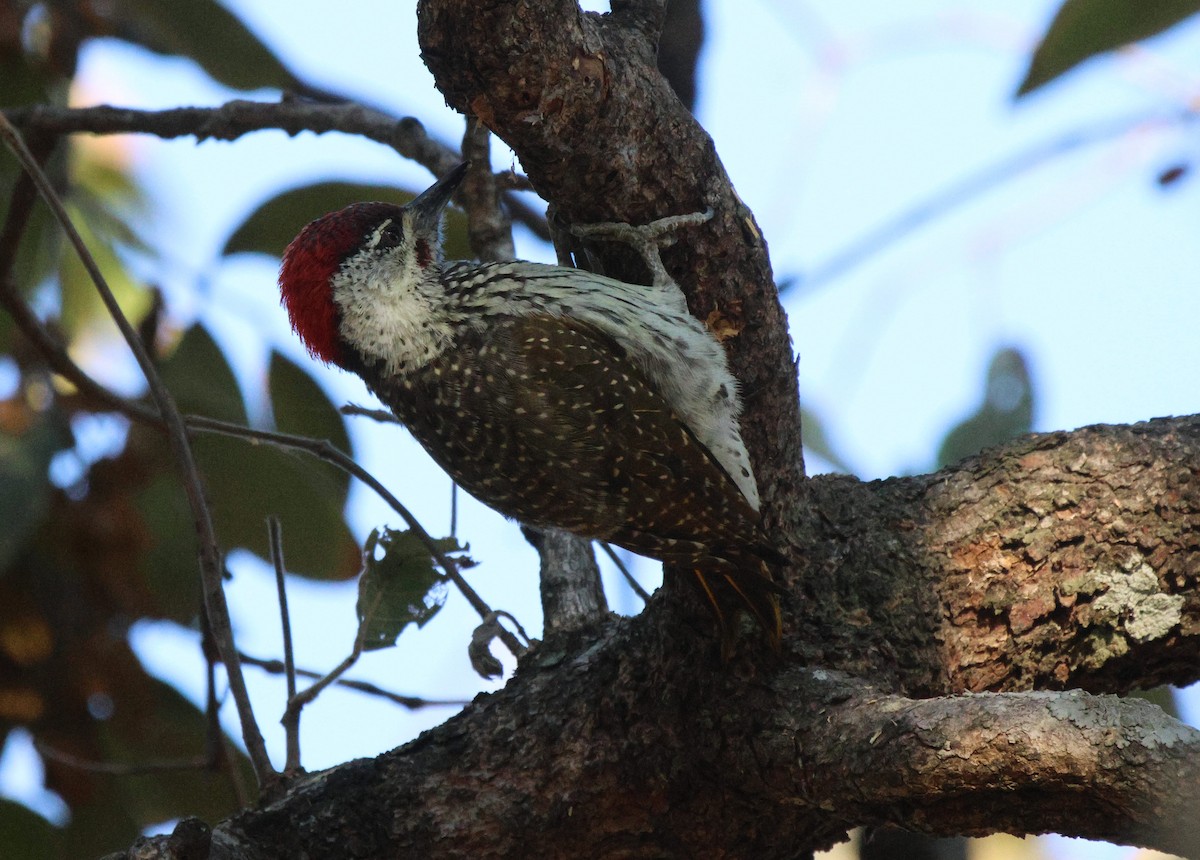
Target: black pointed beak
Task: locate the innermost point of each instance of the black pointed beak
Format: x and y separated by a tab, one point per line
427	207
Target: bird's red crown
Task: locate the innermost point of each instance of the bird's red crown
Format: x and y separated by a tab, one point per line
309	264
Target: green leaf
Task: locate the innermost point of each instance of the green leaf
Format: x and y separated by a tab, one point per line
201	380
399	588
25	487
1005	413
208	33
169	565
271	226
245	482
25	834
1085	28
82	306
166	725
301	408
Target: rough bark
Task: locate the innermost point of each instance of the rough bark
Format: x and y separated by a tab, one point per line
952	640
631	739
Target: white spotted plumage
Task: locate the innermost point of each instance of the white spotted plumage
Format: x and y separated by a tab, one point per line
403	316
559	397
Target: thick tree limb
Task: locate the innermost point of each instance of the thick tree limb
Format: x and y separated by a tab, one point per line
1060	560
632	739
1073	763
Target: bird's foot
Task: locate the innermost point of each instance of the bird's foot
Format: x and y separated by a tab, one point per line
646	239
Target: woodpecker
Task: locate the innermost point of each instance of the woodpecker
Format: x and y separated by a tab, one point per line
556	396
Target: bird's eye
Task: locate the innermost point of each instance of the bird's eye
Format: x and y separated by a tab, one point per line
386	236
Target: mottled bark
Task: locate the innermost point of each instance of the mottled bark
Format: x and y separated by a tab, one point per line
631	739
1060	560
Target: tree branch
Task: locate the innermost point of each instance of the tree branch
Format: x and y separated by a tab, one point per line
240	117
210	554
755	758
1073	763
1059	560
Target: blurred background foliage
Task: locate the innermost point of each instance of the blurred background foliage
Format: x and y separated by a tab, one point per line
91	542
89	545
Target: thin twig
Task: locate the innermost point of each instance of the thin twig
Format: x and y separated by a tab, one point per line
383	416
291	728
210	555
121	768
218	744
240	117
324	450
20	206
489	226
276	667
633	583
61	363
297	702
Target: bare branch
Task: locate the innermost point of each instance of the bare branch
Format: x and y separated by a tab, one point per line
297	702
210	554
383	416
237	118
241	117
203	762
309	693
276	667
803	753
291	727
633	583
572	592
1081	765
1057	560
489	226
218	744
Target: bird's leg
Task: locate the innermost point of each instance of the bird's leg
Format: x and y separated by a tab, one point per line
646	239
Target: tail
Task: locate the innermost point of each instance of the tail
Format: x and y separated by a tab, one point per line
750	587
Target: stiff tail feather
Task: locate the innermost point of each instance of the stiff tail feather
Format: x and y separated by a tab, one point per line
733	590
